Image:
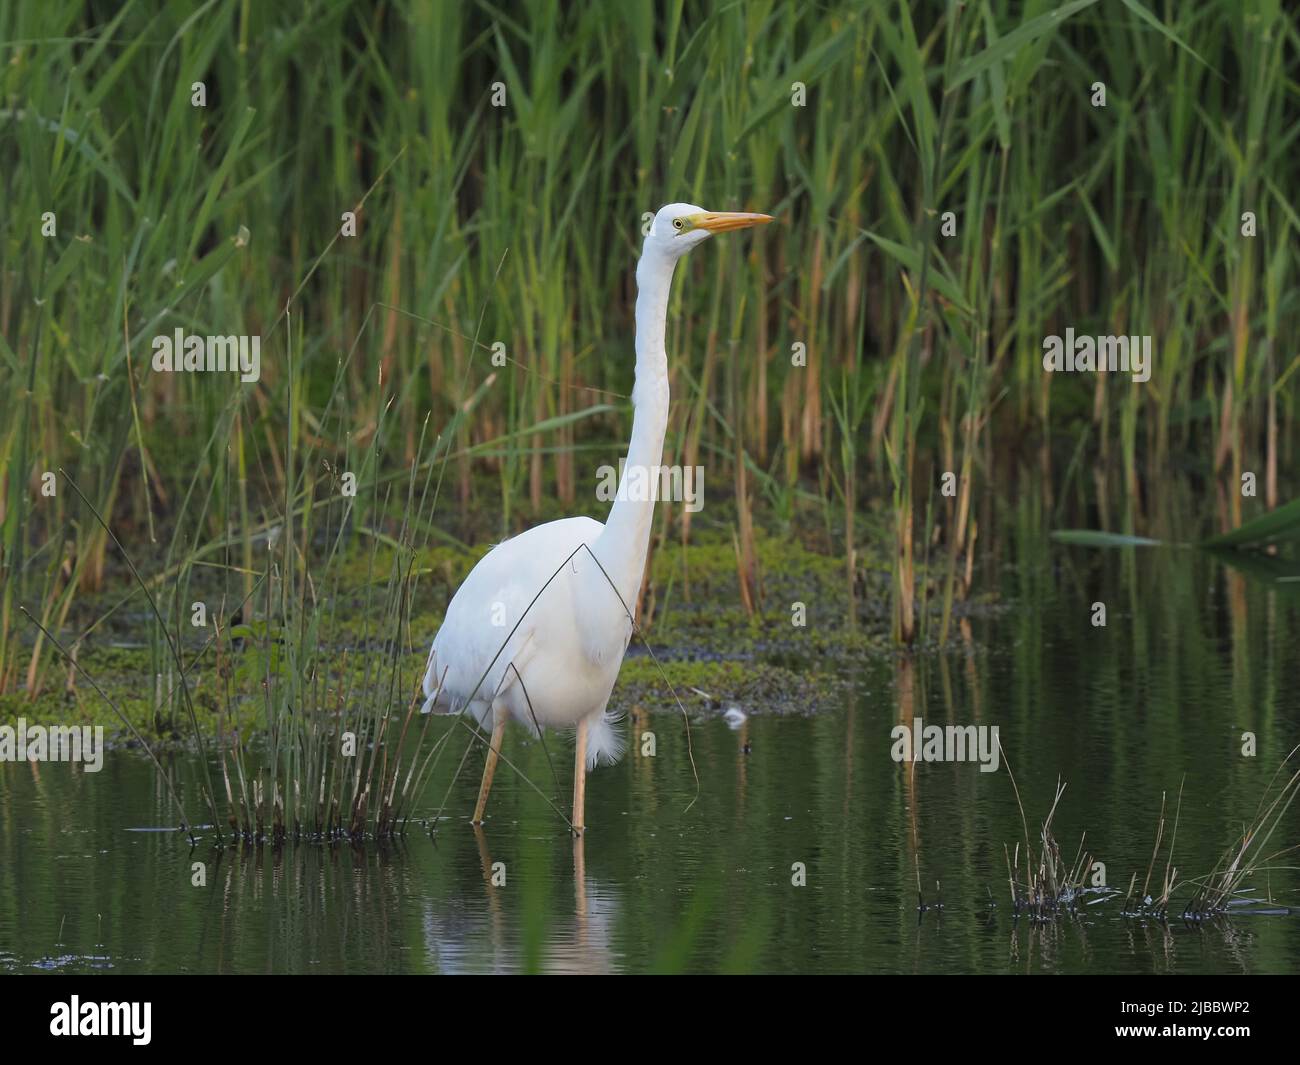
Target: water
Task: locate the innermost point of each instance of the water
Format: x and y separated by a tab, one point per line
1192	656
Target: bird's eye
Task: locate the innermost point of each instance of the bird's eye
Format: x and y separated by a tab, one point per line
678	224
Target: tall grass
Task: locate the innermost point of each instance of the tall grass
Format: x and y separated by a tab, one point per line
519	225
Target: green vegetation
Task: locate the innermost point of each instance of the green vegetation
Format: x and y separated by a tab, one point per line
950	189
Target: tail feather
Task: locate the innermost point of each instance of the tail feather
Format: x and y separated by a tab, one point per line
606	740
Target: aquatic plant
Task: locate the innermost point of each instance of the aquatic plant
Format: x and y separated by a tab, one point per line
950	193
1248	855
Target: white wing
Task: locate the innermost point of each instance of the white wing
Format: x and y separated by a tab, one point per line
492	619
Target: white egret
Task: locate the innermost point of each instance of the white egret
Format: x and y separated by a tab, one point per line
547	655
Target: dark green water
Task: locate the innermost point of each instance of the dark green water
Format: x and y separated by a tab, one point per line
1192	656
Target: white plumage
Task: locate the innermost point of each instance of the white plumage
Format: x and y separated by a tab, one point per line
552	663
567	651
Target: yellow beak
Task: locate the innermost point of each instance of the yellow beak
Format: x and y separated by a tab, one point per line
724	221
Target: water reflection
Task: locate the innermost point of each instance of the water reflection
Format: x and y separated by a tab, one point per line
1194	654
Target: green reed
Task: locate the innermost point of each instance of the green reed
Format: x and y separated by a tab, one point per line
520	224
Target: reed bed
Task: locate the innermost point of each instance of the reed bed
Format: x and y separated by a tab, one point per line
1047	885
494	244
1044	887
1226	884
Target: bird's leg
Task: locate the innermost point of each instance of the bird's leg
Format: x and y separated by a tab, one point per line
498	732
580	779
580	883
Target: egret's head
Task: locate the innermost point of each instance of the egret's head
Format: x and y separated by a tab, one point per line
679	227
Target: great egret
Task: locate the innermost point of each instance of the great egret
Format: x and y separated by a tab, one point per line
547	654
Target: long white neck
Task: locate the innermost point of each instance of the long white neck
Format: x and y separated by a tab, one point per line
622	547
